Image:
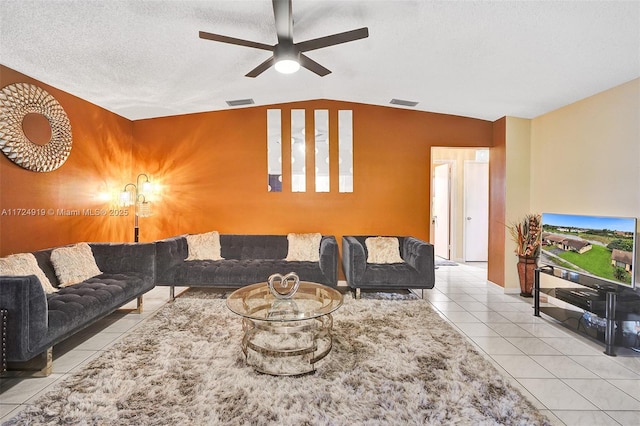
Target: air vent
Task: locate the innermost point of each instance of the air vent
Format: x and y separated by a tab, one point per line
240	102
403	102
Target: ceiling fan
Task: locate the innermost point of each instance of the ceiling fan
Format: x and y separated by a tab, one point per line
288	56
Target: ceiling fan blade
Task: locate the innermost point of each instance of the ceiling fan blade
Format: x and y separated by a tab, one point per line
318	43
313	66
283	14
233	40
261	68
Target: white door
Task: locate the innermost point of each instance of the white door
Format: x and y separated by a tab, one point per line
441	213
476	211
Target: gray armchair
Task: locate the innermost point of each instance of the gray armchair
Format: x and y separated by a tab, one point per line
416	272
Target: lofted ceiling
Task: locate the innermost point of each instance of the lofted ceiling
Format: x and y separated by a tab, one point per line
482	59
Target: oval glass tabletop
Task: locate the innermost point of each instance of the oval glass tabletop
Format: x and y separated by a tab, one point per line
311	300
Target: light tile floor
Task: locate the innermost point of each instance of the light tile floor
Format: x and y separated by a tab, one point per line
565	375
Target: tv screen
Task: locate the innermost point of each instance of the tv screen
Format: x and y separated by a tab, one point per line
599	246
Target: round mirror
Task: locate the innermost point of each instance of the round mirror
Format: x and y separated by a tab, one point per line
36	128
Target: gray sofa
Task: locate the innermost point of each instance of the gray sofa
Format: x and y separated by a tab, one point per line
37	321
248	259
416	272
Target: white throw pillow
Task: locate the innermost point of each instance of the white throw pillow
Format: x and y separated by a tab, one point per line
383	250
74	264
23	264
204	246
304	247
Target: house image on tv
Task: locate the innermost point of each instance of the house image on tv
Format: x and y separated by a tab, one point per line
567	244
622	259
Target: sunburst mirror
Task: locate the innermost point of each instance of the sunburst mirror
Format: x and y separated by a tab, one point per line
21	103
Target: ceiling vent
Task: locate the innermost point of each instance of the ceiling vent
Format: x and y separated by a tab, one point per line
403	102
240	102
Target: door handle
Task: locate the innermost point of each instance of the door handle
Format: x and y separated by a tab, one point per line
468	217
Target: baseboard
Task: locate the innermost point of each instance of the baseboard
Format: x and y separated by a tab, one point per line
506	290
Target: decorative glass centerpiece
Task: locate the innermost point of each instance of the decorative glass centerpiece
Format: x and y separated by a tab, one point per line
284	287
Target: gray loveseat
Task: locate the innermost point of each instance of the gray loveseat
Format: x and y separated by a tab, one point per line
417	270
248	259
37	321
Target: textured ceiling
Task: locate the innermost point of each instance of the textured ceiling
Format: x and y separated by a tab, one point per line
482	59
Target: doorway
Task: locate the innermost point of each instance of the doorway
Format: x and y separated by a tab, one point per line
459	190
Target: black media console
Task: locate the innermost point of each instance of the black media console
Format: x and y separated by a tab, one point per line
604	309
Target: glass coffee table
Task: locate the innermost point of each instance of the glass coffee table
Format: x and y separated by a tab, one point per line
285	335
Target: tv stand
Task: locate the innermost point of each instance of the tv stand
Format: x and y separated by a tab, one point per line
615	304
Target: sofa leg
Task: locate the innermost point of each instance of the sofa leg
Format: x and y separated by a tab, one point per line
137	310
172	293
39	366
357	293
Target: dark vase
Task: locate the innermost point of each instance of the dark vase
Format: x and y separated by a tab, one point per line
526	268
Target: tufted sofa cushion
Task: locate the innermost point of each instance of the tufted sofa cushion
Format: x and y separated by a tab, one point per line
381	274
81	304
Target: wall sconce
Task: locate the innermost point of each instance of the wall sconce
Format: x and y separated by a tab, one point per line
138	195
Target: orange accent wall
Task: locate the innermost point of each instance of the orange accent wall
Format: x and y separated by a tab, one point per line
100	160
213	167
497	193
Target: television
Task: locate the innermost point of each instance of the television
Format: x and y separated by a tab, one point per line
598	246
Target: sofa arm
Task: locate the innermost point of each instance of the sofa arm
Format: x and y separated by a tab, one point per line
170	252
329	258
421	256
354	260
26	303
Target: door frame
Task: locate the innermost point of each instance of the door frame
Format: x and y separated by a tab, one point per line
452	203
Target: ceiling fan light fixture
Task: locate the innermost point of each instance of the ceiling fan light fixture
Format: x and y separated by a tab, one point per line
287	58
287	66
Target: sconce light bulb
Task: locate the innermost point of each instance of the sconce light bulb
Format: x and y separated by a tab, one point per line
147	187
125	198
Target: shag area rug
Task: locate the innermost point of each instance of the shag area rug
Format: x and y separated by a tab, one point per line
393	362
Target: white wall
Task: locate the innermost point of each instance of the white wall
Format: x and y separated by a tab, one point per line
585	157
